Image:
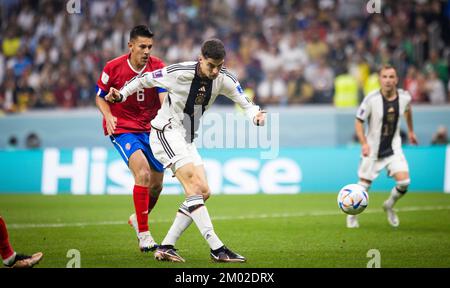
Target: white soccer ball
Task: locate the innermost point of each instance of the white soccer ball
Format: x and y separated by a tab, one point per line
353	199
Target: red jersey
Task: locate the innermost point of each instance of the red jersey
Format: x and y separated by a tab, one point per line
135	114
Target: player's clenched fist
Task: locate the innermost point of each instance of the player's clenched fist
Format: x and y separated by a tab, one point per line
113	96
260	118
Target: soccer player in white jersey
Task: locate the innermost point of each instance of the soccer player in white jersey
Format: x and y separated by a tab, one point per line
192	88
381	146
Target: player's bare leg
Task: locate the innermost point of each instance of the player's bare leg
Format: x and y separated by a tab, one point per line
182	221
142	174
195	186
352	220
400	189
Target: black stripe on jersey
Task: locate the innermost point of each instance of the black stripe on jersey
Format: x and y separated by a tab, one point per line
229	75
198	97
225	71
181	69
389	126
173	66
176	67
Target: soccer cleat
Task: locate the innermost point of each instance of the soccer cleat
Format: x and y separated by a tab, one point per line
352	221
223	254
168	253
132	221
25	261
146	242
391	215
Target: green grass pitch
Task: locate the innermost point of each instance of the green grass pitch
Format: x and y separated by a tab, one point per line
303	230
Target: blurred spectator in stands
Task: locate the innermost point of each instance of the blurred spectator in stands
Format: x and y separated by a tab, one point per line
338	56
9	98
414	83
2	68
85	93
346	92
440	136
20	62
266	35
437	64
360	70
272	90
372	83
65	93
321	77
26	97
299	91
316	48
293	55
32	141
13	143
435	89
11	42
270	59
448	90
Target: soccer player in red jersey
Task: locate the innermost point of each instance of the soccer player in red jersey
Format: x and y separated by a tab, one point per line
128	126
10	257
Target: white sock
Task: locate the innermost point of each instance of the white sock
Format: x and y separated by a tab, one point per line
179	225
200	215
10	259
365	185
395	195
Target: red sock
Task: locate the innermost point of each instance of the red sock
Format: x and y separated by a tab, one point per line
141	199
5	248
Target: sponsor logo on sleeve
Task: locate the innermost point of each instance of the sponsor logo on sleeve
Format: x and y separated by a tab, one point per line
361	112
239	89
157	74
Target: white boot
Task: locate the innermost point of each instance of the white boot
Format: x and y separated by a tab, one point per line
132	221
146	242
352	221
391	215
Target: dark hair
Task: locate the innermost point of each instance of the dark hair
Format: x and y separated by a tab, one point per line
213	48
13	140
140	30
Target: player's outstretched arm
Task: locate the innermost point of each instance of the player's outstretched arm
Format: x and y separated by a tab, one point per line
144	81
233	90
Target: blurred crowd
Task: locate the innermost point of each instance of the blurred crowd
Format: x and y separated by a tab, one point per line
283	51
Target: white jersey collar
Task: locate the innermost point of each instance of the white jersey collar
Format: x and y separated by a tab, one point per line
134	70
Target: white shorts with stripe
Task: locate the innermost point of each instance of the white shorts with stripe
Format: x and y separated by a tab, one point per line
171	149
369	168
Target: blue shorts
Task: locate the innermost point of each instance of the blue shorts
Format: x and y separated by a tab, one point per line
128	143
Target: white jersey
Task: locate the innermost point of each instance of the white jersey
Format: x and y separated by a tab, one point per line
189	95
383	134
